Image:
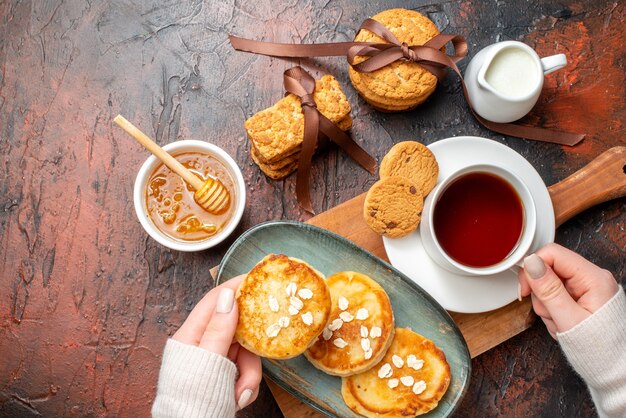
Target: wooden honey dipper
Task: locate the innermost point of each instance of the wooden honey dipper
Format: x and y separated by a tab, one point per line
211	194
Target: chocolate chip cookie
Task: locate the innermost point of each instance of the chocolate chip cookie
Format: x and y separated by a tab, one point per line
414	161
393	206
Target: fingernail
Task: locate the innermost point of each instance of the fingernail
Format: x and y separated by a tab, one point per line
225	300
244	399
519	291
534	266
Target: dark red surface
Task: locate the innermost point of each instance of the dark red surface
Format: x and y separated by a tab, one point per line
87	299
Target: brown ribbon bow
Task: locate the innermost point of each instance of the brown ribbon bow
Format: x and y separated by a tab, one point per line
428	55
300	83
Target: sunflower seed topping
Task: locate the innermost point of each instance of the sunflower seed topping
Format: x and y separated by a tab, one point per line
419	387
364	331
335	325
274	307
346	316
365	344
291	289
385	371
296	303
340	343
326	334
272	330
376	332
407	380
413	362
362	314
397	361
307	318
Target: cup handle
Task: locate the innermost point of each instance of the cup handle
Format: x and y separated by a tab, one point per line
516	269
553	63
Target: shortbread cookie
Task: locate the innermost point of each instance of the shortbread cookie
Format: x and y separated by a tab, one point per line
277	158
278	165
284	305
410	380
283	167
278	131
274	174
401	85
412	160
393	206
345	124
360	327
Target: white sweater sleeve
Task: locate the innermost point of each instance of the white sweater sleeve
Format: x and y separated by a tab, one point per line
596	348
194	382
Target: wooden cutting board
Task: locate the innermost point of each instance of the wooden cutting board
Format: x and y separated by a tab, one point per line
601	180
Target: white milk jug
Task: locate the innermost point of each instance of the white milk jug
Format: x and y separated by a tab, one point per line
504	80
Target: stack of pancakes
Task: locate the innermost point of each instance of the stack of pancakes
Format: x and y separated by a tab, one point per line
276	133
344	325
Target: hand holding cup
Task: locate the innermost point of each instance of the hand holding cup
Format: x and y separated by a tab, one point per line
565	287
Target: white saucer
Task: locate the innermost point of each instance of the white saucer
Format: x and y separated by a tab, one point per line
472	294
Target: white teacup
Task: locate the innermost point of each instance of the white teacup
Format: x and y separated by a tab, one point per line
435	249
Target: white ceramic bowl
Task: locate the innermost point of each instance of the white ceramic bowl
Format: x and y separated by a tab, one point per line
139	195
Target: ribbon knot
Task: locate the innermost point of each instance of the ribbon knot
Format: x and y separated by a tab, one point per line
408	53
307	100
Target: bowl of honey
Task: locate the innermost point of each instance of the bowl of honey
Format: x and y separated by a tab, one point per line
165	203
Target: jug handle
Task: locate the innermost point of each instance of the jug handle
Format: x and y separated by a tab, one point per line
553	63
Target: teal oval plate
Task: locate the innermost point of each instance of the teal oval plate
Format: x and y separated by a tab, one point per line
330	253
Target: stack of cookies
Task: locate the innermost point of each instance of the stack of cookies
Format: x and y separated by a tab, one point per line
394	204
401	85
276	133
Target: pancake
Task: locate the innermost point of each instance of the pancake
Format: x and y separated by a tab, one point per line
284	304
389	391
362	310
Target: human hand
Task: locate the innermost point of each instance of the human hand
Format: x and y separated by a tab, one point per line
211	325
565	287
